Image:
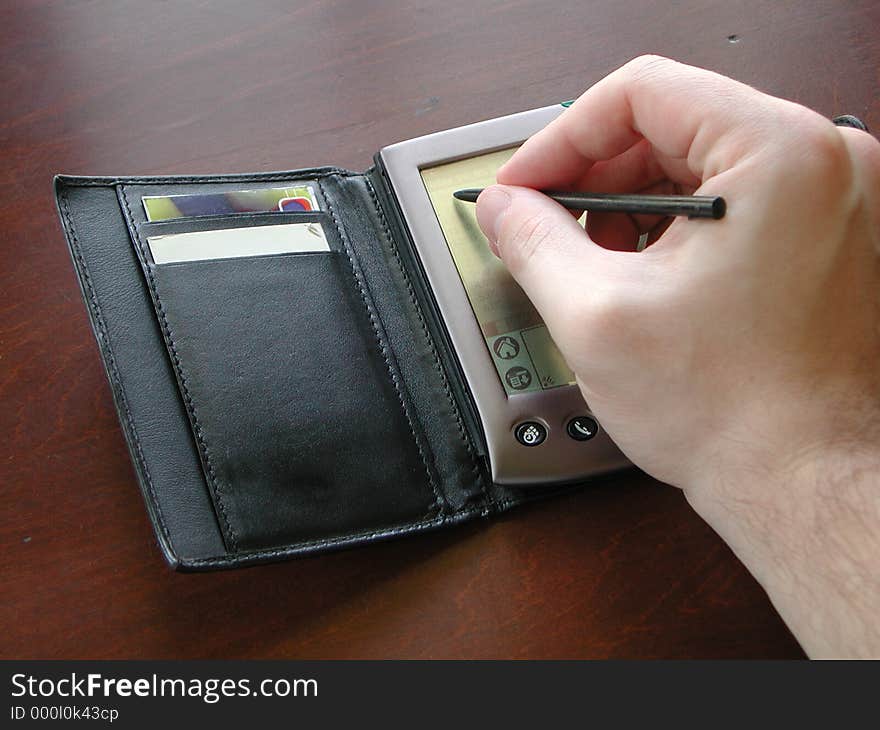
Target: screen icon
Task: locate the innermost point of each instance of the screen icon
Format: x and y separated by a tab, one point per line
506	347
518	378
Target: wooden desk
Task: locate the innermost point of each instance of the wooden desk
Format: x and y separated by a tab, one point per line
621	570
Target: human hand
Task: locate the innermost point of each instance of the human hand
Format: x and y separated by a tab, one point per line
731	357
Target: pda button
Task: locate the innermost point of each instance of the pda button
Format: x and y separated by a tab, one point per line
582	428
530	433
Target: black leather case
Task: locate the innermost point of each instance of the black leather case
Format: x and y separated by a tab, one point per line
278	405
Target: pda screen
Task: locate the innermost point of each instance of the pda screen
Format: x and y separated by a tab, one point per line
523	353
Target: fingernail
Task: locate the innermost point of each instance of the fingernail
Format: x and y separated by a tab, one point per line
491	207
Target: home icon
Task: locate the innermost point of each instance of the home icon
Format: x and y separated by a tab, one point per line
506	348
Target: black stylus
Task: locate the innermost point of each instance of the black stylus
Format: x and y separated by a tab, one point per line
693	206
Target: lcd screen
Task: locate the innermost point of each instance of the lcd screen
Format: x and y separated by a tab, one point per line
518	341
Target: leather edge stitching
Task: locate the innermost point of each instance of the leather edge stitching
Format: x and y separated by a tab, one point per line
384	348
475	469
107	349
176	362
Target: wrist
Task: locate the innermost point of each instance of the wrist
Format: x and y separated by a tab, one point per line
809	531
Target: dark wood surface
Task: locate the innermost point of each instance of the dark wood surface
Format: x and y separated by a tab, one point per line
624	569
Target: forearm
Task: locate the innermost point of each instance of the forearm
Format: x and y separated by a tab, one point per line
811	536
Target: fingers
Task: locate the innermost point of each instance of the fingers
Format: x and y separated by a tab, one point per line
686	113
639	167
631	170
542	245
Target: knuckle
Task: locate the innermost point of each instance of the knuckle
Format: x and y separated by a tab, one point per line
825	151
826	141
647	68
647	61
865	150
809	152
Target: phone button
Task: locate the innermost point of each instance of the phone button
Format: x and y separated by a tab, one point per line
530	433
582	428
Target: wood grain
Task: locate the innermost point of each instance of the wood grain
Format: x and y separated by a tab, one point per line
624	569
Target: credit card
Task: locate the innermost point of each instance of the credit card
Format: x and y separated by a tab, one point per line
227	243
298	198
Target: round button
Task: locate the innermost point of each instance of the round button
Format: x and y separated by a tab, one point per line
530	433
582	428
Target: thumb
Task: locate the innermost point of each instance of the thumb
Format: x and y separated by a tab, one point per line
541	244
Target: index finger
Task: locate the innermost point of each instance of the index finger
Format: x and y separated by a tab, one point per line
686	113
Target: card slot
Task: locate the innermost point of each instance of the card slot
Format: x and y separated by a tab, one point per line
229	220
220	198
291	254
225	237
298	422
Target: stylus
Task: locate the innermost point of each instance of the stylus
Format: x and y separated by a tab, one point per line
693	206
